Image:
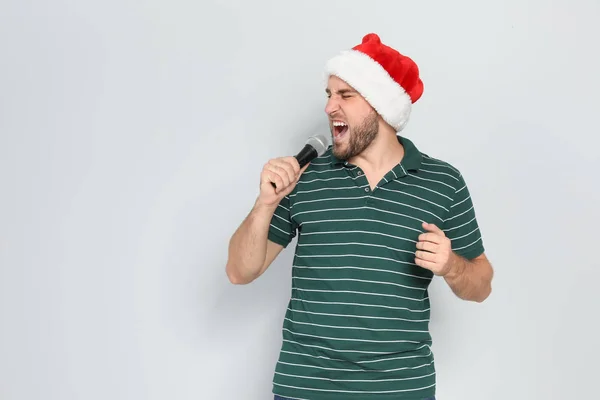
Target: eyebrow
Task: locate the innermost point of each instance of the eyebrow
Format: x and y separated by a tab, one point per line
341	91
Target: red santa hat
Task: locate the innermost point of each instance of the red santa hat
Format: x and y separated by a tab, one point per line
388	80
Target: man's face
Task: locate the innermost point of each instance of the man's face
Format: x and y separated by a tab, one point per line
354	124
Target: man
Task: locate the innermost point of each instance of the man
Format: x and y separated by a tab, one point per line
376	220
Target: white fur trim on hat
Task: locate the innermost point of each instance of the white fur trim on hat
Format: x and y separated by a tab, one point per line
374	83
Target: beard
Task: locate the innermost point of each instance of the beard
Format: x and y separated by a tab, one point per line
359	139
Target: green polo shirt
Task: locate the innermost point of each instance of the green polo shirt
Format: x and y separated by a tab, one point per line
357	323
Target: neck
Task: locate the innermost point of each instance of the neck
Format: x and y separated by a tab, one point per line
382	154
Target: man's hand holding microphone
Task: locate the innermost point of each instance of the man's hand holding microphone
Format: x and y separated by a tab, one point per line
278	178
250	251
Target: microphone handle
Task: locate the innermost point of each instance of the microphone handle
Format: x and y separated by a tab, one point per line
304	157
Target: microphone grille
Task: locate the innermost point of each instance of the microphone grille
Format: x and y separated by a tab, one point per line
319	143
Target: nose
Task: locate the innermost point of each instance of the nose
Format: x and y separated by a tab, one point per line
331	106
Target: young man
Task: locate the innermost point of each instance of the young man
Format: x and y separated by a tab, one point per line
376	220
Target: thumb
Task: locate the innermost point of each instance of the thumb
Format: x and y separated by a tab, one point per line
433	228
301	172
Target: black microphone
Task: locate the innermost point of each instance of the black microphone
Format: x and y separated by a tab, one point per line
315	147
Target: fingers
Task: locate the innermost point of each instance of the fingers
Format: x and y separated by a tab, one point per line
425	264
428	246
431	238
286	167
425	256
282	172
433	249
275	178
279	175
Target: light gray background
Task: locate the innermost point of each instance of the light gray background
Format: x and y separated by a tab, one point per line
124	123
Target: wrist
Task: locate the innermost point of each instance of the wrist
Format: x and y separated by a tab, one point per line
456	267
264	208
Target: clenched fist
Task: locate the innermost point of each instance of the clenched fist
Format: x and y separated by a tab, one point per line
284	173
434	251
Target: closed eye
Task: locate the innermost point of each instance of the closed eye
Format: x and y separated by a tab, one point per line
344	93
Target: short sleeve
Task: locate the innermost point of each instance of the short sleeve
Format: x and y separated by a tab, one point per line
282	228
461	225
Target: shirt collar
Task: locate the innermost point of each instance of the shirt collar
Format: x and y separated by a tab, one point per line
410	162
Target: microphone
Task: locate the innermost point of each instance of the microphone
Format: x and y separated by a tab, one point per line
315	147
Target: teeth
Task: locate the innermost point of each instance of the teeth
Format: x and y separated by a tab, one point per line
338	123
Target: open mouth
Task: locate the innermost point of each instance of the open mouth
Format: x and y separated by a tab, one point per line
339	129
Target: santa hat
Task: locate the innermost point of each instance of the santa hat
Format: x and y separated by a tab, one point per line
388	80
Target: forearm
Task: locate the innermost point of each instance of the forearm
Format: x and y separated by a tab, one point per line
248	245
470	279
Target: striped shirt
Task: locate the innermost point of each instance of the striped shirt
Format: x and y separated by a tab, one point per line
357	323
